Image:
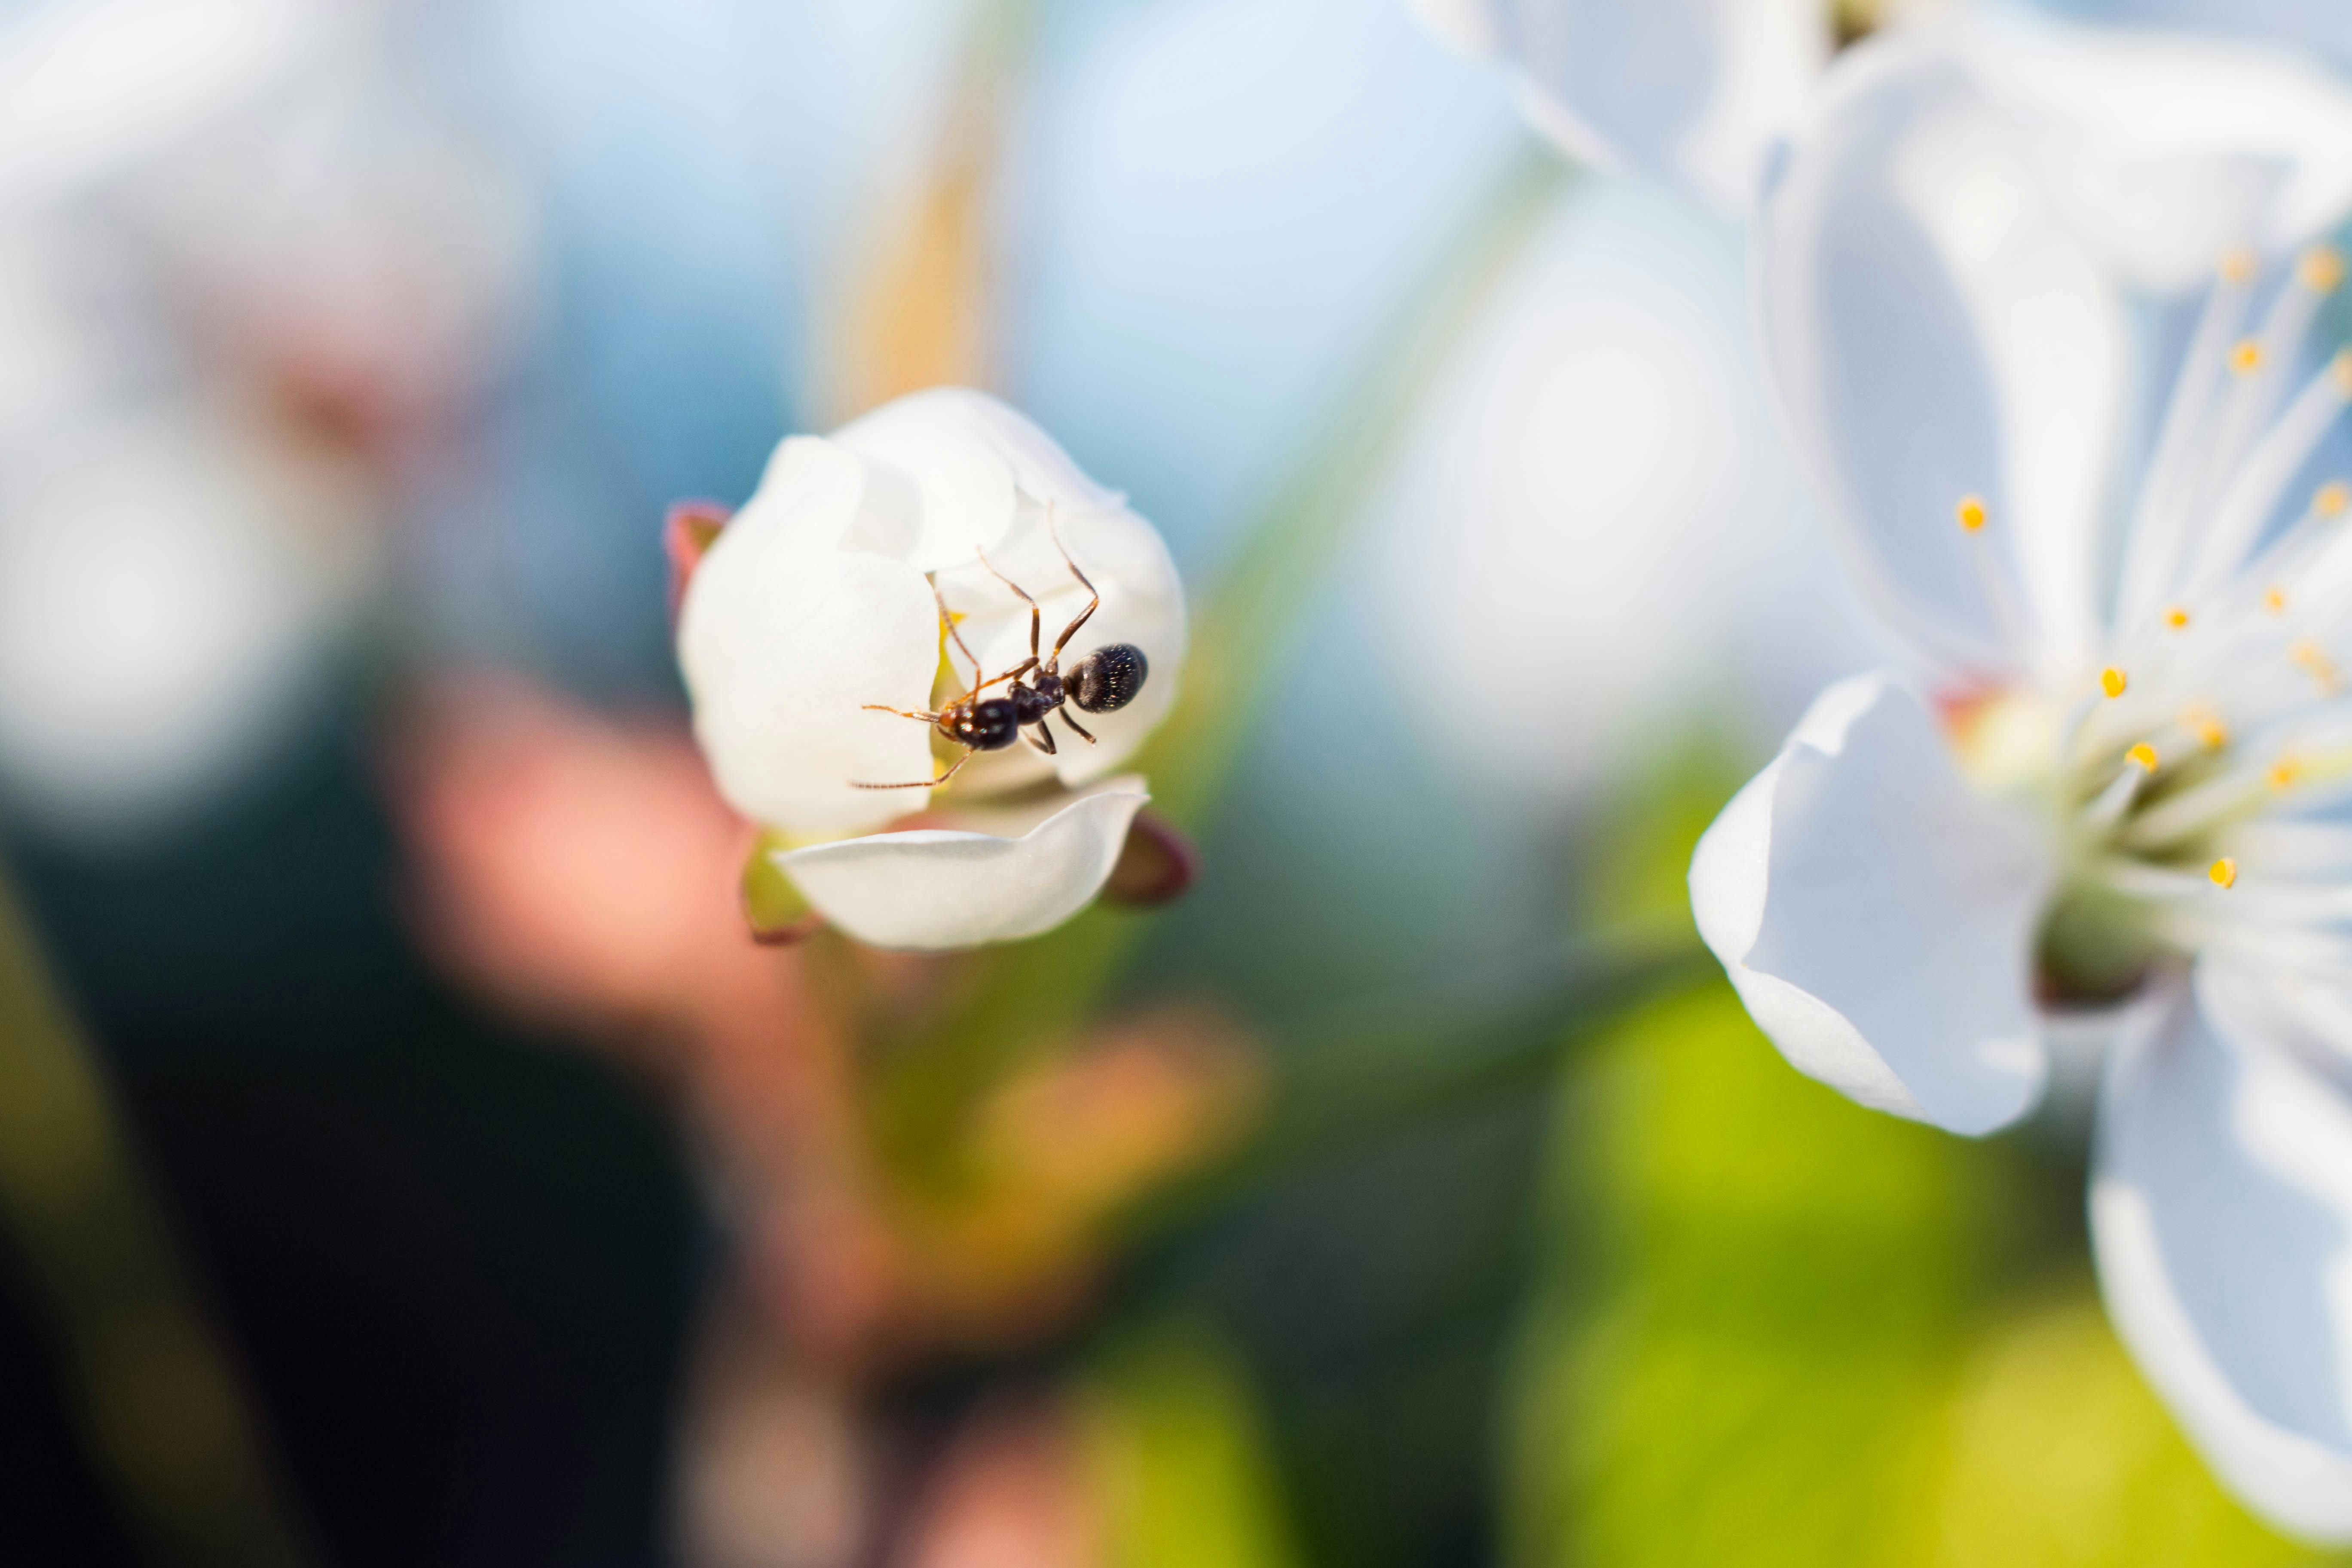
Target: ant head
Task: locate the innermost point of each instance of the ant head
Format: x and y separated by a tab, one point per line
988	725
1108	677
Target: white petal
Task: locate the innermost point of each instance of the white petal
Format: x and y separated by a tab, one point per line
2221	1218
948	468
1472	26
1142	604
2321	27
1936	330
934	889
1693	90
784	638
2169	149
1877	918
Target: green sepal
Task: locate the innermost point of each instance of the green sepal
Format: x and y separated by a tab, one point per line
773	906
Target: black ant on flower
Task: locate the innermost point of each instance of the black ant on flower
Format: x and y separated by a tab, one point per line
1102	683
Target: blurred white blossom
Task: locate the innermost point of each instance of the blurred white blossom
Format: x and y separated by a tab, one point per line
1698	91
1595	487
243	275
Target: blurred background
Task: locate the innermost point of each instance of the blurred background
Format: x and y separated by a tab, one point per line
404	1158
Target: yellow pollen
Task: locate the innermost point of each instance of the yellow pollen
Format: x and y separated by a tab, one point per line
2274	600
2224	872
2111	681
2285	772
2334	499
2340	369
2206	726
1971	512
2247	357
2320	270
2238	265
2145	755
2177	618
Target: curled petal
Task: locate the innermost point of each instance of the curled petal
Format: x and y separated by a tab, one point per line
947	469
936	890
2222	1219
1877	917
783	638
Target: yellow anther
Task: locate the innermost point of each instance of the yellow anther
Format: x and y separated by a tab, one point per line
2247	357
2224	872
2111	681
2274	600
2238	265
2177	618
2340	370
2285	772
2314	662
1971	512
2206	726
2321	270
2334	499
2144	755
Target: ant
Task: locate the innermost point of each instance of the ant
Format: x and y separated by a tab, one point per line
1102	683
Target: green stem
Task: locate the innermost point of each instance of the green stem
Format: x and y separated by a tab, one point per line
1354	1079
1028	998
153	1392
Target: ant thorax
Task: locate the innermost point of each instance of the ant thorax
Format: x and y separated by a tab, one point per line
1033	702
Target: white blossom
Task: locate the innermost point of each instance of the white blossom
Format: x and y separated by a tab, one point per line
2131	774
813	611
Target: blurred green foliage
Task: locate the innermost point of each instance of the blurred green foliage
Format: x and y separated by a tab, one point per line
1179	1457
1755	1292
1769	1326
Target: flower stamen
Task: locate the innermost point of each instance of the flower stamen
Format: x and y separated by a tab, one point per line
2320	270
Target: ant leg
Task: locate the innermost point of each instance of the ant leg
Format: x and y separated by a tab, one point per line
1016	673
1037	615
1081	729
901	713
1054	660
919	784
1043	739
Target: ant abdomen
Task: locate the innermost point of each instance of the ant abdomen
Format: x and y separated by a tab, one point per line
1107	678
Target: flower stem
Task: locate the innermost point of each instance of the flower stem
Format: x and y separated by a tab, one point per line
152	1388
1029	997
1353	1078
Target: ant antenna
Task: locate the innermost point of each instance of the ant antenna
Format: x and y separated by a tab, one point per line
948	621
